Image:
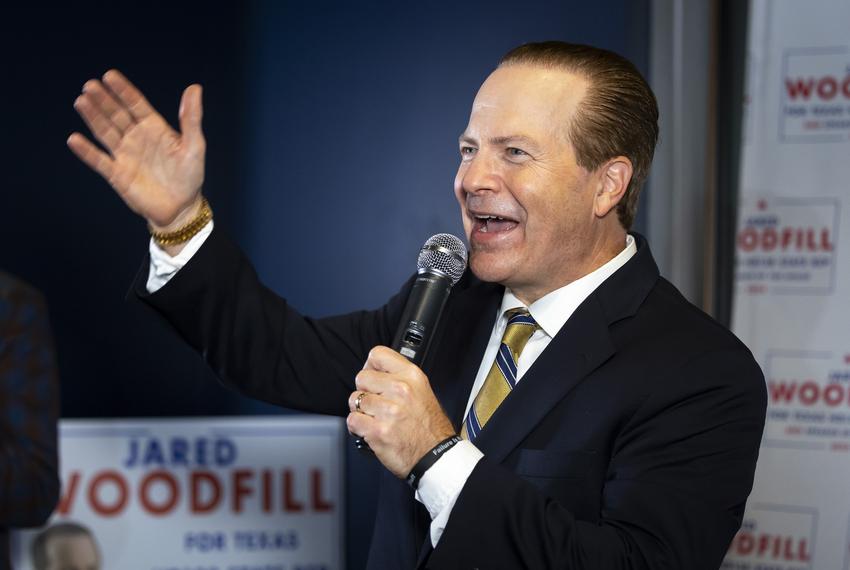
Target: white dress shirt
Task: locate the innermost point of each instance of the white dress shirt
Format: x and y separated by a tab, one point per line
441	485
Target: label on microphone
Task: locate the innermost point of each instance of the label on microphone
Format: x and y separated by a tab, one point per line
407	352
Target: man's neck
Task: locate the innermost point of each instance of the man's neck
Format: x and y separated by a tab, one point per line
598	256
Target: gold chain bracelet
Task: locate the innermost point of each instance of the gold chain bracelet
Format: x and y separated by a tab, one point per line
188	231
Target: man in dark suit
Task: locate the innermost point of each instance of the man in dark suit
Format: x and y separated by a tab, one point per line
605	421
29	406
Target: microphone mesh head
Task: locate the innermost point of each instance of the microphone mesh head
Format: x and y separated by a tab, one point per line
444	253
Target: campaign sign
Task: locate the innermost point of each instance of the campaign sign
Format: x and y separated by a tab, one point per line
815	102
808	400
195	494
774	537
786	245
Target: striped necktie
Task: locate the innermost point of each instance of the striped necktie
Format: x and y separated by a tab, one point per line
503	374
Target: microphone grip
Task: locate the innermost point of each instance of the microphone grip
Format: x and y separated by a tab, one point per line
421	316
418	321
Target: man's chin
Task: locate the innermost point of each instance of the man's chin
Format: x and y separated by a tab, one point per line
490	268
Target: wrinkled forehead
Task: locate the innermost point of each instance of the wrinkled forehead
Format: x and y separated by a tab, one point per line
523	97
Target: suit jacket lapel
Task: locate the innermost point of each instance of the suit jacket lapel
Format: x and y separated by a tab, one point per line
579	347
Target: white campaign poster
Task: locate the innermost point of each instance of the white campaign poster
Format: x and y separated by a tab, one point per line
792	294
245	493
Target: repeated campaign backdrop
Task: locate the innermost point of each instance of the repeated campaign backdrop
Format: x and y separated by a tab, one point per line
792	293
332	144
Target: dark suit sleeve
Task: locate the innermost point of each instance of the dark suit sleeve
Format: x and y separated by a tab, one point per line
29	405
255	342
681	469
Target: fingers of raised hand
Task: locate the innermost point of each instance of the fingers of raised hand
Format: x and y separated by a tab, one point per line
95	158
128	95
114	111
191	113
100	124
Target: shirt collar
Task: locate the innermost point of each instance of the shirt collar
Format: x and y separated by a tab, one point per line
554	309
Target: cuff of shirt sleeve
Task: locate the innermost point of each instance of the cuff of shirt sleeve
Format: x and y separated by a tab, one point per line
441	485
164	267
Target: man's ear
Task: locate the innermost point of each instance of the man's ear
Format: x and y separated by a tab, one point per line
614	178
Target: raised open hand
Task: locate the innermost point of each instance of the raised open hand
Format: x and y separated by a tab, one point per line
157	171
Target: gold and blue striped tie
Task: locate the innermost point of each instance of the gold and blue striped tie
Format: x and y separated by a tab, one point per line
503	374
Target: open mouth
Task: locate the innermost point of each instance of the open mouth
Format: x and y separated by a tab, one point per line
492	224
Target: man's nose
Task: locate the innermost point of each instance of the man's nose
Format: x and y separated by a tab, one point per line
481	174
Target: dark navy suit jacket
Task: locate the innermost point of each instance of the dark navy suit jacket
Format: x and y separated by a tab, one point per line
630	443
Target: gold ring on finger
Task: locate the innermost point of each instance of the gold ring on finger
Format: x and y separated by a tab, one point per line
357	402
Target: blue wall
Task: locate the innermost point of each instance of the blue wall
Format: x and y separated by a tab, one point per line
332	140
350	144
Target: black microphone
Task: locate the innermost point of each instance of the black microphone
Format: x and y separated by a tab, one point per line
441	263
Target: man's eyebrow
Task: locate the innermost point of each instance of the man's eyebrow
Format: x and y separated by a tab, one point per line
511	139
500	141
